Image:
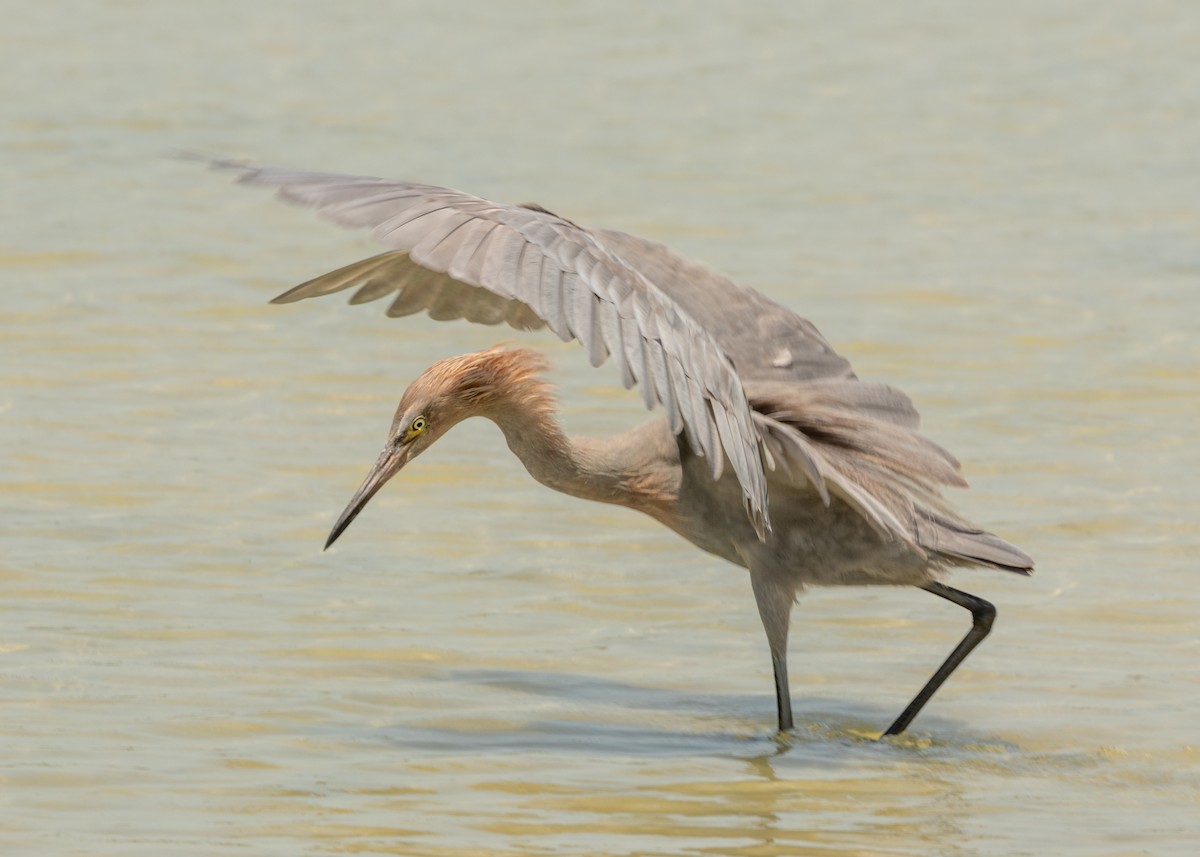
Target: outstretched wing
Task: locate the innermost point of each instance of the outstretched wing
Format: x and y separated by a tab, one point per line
765	341
458	255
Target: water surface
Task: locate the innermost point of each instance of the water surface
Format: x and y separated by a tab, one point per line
994	208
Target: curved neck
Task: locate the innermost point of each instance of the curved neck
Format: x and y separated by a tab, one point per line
632	469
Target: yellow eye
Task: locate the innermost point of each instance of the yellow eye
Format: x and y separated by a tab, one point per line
417	426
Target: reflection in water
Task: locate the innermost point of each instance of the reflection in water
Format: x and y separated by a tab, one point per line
819	792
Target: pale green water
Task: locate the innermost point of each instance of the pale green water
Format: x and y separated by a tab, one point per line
995	207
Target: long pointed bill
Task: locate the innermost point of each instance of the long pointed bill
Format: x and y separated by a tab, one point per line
388	465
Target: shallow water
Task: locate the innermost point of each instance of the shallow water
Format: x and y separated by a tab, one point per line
995	209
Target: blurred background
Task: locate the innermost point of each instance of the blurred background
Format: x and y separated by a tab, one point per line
993	206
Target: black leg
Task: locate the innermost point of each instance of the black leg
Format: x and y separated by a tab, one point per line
775	596
982	616
783	697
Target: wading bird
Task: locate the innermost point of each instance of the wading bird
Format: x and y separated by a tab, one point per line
772	453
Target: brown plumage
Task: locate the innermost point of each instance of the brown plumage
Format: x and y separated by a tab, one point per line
772	454
489	381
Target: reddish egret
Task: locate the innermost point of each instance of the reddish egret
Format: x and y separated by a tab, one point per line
772	453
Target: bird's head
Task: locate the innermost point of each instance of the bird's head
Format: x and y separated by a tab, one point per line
449	391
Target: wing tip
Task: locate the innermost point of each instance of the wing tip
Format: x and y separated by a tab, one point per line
216	162
759	519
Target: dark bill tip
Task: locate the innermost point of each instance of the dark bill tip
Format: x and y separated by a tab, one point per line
338	529
383	470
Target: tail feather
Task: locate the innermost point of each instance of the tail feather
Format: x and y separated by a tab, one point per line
859	440
959	541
